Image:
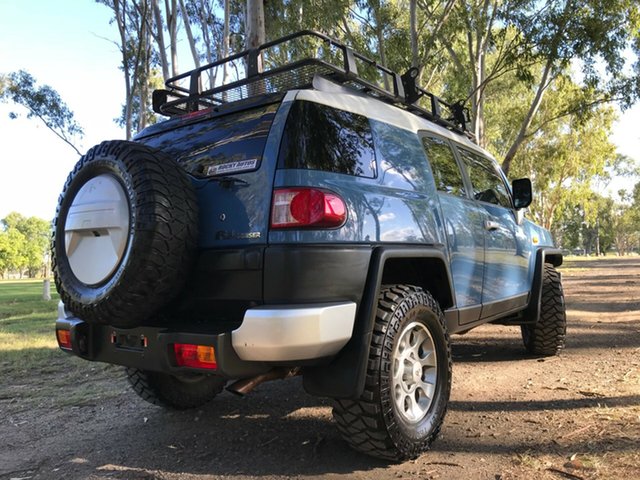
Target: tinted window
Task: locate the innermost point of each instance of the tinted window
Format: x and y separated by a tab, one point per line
446	172
487	184
400	157
229	144
318	137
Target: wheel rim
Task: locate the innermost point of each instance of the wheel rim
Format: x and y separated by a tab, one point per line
96	229
414	372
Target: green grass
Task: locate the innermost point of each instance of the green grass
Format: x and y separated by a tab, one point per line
34	370
27	321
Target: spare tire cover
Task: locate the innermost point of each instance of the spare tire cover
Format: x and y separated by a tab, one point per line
125	234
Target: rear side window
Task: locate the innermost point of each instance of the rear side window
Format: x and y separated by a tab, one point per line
318	137
446	171
488	185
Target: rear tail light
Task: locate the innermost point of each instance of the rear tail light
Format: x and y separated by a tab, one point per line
197	356
64	339
307	207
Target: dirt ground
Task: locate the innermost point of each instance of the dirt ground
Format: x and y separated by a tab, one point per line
575	416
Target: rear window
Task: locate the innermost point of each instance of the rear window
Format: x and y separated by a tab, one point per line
318	137
233	143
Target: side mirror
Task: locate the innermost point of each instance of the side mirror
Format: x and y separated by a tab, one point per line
522	193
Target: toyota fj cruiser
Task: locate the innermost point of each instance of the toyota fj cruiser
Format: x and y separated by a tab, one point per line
323	217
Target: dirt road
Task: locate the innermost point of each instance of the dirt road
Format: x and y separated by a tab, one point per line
574	416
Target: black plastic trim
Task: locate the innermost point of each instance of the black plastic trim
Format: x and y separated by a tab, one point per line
345	376
155	355
544	255
315	273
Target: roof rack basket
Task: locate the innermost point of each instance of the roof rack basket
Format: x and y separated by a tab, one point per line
291	62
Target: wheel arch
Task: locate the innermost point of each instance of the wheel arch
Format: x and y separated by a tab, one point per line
425	267
543	255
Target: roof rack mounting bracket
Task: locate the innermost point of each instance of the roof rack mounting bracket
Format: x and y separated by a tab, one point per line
435	106
350	65
254	62
411	93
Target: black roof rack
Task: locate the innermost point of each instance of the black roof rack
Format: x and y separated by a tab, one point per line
273	67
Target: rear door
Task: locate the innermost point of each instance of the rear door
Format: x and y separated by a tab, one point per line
464	225
505	285
229	158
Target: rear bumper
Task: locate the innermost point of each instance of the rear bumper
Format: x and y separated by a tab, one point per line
268	336
291	333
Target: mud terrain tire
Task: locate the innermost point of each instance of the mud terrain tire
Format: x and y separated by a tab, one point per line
125	234
177	392
547	336
408	379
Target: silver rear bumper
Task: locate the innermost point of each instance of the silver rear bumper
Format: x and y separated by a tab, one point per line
294	332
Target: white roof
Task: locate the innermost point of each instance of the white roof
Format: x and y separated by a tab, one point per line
343	98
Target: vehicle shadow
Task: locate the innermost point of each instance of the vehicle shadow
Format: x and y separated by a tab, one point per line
276	430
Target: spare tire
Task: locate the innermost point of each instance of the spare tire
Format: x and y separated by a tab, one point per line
125	234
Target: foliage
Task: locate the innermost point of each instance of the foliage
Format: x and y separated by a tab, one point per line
24	243
540	77
41	102
565	154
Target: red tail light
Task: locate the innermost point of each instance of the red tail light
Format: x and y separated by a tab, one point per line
197	356
307	207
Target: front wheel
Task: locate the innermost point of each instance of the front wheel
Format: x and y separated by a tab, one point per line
179	392
547	336
408	379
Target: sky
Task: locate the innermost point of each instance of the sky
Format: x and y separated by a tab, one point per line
69	45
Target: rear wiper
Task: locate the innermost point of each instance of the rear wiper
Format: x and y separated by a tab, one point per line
227	181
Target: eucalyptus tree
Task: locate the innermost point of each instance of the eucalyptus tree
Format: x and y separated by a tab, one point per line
41	102
536	42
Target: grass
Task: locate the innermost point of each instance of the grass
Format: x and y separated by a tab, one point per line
26	323
34	369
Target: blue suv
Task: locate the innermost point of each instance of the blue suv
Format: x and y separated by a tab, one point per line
322	216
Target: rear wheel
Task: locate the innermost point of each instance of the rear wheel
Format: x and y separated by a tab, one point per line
547	336
179	392
408	379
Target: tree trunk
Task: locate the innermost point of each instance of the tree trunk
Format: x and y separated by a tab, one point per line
255	37
190	38
159	36
255	23
203	15
144	78
413	29
225	41
528	119
121	21
172	25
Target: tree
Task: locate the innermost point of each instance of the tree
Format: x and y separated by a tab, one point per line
536	42
25	241
565	155
133	19
42	102
11	251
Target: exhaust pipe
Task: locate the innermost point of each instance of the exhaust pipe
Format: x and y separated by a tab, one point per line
245	385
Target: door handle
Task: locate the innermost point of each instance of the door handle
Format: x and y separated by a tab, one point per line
491	225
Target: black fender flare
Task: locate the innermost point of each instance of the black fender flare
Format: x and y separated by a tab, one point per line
344	376
543	255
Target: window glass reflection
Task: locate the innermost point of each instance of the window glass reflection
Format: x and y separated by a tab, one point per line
446	172
318	137
488	185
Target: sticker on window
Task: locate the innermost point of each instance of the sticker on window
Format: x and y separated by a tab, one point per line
232	167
